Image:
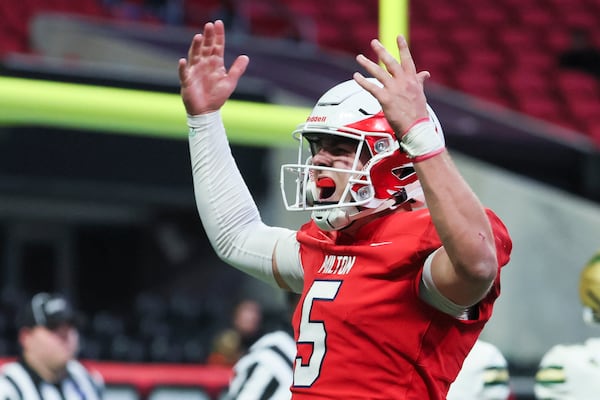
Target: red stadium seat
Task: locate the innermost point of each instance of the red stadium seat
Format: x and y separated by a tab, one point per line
491	14
469	36
488	59
528	83
543	108
538	18
584	110
577	84
483	84
534	60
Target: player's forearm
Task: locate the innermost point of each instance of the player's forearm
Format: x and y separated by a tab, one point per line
459	218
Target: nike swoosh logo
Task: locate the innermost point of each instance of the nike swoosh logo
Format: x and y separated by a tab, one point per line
379	244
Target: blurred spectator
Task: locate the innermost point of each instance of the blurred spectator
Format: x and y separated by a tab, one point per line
226	348
247	320
245	328
234	21
581	54
168	11
265	371
47	367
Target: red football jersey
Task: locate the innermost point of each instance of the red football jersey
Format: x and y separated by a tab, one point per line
361	329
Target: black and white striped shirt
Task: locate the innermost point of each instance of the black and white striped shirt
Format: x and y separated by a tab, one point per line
19	382
265	372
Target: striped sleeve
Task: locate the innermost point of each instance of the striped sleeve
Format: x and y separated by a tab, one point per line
9	389
22	387
89	386
265	372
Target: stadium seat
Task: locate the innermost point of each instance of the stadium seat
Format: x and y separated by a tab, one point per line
580	82
438	61
483	84
543	108
537	18
487	59
525	82
489	15
517	38
539	61
468	36
583	110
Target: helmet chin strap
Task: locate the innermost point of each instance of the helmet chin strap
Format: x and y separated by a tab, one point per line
335	219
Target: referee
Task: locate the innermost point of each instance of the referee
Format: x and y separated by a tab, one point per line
265	372
47	368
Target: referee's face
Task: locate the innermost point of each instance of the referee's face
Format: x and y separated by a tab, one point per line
51	348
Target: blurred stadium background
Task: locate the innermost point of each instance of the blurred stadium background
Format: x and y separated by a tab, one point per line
96	197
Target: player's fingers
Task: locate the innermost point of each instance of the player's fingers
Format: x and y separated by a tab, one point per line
406	60
372	68
391	64
206	49
219	46
182	70
366	84
238	67
194	50
422	77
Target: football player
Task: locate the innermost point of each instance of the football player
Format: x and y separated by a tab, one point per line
484	375
573	371
399	266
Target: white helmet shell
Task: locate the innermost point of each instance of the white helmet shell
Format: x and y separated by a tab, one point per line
386	180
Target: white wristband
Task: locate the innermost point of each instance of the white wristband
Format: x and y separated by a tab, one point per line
422	141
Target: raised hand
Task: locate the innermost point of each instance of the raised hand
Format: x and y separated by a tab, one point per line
402	96
205	82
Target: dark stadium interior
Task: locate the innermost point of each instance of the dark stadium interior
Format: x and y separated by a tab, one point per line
94	214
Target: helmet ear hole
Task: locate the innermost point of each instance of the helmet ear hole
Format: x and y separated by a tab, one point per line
403	172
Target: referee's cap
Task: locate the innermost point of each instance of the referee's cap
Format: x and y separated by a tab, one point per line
50	310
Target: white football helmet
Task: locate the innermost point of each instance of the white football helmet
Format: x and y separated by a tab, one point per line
589	290
388	179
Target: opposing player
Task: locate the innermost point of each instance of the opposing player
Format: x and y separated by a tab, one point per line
398	267
573	371
484	375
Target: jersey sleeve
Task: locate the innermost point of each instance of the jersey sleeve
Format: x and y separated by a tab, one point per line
287	257
502	238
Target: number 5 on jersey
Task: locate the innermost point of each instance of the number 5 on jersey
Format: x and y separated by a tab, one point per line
313	333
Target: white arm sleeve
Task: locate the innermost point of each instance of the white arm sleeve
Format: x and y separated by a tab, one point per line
228	212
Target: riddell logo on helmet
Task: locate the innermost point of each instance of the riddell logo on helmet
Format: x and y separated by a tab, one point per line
316	118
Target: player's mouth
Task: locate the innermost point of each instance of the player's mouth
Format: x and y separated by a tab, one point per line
326	187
